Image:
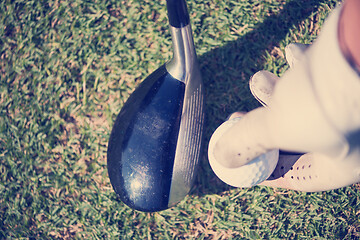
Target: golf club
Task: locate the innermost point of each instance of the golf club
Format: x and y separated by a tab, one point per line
155	143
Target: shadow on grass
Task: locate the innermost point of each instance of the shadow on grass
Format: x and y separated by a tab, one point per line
226	71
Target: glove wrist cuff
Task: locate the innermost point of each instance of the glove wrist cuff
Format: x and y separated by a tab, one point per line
335	80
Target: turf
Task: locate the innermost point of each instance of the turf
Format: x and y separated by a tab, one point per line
67	67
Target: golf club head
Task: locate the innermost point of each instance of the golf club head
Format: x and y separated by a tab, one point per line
155	143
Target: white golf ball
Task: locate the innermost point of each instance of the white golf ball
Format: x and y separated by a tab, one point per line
247	175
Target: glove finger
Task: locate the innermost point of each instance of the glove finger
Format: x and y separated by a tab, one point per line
262	86
263	82
294	53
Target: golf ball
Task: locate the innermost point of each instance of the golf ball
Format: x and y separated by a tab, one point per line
247	175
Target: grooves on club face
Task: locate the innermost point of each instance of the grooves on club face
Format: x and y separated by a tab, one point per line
155	144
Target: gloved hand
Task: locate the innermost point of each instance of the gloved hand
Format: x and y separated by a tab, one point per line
313	108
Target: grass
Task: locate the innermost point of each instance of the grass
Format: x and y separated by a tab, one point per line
67	67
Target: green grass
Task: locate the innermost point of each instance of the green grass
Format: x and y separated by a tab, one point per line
67	67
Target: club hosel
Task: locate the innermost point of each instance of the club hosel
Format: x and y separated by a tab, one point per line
184	61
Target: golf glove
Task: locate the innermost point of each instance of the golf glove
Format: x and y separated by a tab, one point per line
314	108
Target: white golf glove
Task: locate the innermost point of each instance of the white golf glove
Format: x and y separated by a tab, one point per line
313	108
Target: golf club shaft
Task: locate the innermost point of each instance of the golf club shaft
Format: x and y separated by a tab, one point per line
177	13
183	65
